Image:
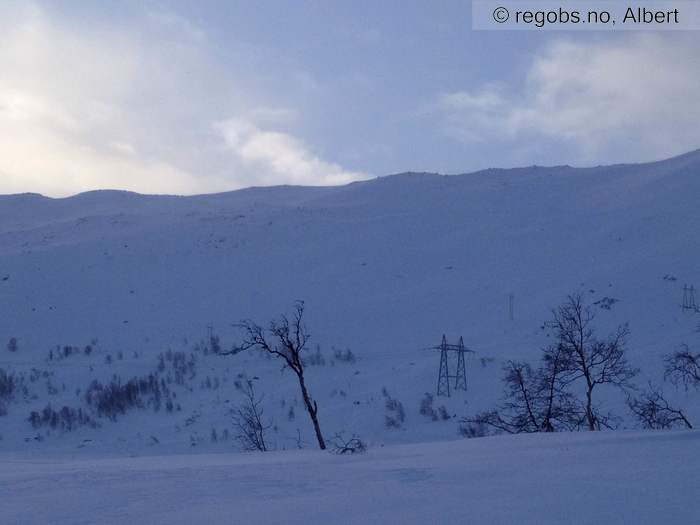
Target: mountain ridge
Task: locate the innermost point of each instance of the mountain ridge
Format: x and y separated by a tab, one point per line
692	156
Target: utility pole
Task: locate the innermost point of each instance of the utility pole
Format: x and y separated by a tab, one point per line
511	300
689	298
444	377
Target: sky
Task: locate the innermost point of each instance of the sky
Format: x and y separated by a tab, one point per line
199	97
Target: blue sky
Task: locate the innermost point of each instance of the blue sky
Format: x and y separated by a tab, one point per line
192	97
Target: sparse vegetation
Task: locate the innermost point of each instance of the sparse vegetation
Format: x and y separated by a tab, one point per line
344	356
316	358
65	419
8	384
683	368
533	401
544	400
653	411
286	340
588	359
180	366
426	407
340	444
116	398
395	413
250	427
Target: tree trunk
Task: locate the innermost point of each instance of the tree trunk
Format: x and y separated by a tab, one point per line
312	409
589	410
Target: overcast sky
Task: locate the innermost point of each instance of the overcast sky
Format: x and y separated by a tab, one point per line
194	97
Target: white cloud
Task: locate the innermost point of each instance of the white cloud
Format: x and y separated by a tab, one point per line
626	99
132	107
280	155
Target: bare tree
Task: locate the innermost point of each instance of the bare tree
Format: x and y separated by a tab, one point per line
248	421
683	367
517	413
654	412
534	400
589	359
285	339
559	407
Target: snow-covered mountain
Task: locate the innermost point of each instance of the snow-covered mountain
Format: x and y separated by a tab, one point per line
384	266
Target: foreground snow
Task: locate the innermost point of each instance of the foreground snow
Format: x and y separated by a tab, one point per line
574	478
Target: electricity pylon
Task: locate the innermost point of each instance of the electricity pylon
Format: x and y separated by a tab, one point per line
460	378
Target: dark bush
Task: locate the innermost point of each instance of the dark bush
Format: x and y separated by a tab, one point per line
65	419
117	398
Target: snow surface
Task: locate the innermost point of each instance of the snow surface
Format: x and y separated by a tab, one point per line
385	267
585	478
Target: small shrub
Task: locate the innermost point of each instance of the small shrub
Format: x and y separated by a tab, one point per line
65	419
215	344
342	445
426	407
8	384
344	356
182	366
315	359
396	415
473	430
116	398
486	361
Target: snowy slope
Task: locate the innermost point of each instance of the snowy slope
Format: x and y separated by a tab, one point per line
385	267
584	478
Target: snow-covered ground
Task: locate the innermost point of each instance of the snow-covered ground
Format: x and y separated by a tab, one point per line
584	478
112	287
385	267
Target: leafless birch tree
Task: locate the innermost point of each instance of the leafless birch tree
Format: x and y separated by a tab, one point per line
286	339
248	421
590	360
654	412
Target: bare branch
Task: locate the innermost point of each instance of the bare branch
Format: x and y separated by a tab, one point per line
248	421
286	342
683	367
589	359
654	412
534	401
343	445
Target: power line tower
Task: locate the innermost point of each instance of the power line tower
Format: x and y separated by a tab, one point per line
689	298
443	386
460	378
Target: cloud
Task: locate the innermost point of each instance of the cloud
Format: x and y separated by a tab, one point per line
625	99
134	107
280	154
